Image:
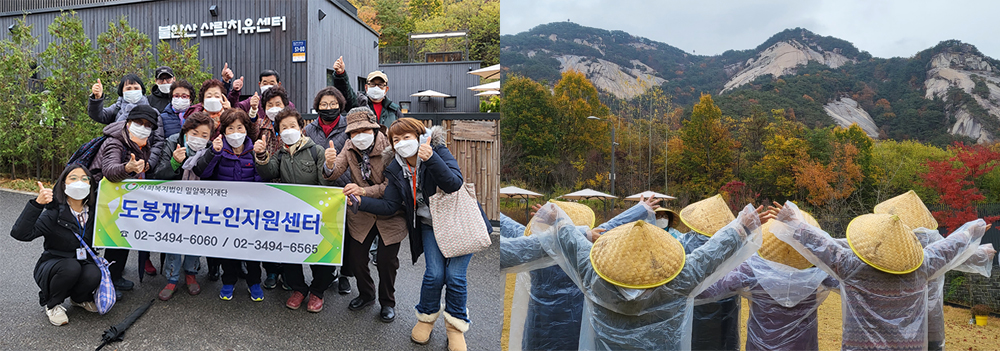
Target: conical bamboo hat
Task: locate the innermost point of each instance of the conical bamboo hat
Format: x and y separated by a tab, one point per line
779	251
910	209
884	242
580	214
707	216
637	255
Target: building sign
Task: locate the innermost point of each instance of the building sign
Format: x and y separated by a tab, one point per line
299	51
221	28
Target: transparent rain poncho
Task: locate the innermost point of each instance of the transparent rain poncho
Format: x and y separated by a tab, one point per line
980	262
880	310
716	324
783	302
616	318
548	306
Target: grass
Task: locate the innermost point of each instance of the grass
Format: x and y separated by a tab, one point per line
29	184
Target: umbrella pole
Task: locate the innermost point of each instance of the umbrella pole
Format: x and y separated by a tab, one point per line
527	206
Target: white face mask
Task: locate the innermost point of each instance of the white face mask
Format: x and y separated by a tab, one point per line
132	96
264	88
236	139
180	104
164	88
407	148
290	136
196	144
376	93
139	131
363	141
213	105
272	112
662	223
78	190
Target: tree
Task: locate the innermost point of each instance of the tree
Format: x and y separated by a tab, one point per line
707	154
954	181
784	149
903	164
527	130
184	61
832	182
424	9
123	50
575	99
396	24
19	111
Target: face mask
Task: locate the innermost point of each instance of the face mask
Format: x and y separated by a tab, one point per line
139	131
290	136
662	222
213	105
132	96
264	88
329	115
164	88
78	190
272	112
180	104
407	148
376	93
196	144
363	141
236	139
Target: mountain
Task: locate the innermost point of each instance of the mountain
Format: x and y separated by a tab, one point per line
945	93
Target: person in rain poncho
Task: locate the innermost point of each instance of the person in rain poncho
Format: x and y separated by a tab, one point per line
716	324
784	291
638	283
883	273
554	306
981	261
670	221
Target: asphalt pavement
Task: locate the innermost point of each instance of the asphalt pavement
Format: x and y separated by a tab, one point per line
204	322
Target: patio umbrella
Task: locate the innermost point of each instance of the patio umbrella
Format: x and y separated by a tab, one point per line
512	192
488	93
648	194
487	86
589	194
488	72
117	331
430	93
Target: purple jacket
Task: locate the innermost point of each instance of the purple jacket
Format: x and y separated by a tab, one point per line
227	165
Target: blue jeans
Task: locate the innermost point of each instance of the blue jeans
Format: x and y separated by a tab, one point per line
440	272
172	266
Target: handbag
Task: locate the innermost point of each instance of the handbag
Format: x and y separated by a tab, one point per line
458	223
104	297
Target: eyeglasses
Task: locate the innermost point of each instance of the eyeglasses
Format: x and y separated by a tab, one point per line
383	85
328	105
184	96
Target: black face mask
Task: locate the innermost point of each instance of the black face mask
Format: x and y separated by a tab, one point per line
329	115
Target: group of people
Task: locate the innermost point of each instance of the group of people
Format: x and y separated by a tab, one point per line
388	166
651	278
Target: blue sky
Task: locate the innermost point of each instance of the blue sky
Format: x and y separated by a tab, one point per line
709	27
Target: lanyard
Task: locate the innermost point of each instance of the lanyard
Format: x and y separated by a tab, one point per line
414	175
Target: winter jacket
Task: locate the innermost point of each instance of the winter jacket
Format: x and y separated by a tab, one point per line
57	224
337	136
119	112
227	165
234	95
300	163
170	120
438	172
116	151
390	110
159	100
392	229
166	170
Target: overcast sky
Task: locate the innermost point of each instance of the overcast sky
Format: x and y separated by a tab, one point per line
709	27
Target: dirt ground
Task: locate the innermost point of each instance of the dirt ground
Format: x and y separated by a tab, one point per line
959	333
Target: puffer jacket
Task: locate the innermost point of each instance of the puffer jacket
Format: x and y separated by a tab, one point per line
392	229
170	121
118	112
337	136
390	110
56	223
116	152
300	163
227	165
438	172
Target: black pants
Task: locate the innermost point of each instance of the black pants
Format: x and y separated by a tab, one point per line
388	263
118	258
213	263
75	279
231	271
272	268
322	278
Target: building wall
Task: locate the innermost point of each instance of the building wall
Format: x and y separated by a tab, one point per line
451	78
247	54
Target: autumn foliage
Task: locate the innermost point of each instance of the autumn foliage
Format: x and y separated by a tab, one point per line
955	182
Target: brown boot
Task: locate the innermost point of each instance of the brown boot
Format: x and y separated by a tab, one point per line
425	324
456	332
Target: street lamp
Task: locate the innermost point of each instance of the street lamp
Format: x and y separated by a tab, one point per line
613	143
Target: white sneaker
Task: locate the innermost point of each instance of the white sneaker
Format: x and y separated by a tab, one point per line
89	305
57	315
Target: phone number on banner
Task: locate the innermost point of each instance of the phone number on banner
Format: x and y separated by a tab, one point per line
210	240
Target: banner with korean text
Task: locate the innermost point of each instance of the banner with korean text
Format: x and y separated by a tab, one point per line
265	222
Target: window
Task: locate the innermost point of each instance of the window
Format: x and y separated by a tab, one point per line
450	102
404	106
